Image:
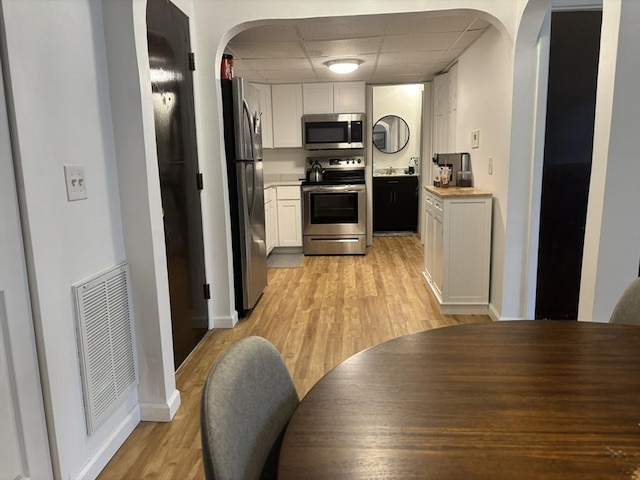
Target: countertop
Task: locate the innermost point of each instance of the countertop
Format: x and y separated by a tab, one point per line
458	192
395	175
279	179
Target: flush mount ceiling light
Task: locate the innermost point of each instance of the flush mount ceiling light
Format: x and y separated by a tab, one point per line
343	66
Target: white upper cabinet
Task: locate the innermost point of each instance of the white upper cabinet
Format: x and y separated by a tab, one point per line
349	97
318	97
338	97
286	104
267	121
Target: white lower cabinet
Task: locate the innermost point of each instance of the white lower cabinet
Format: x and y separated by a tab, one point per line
289	216
457	248
270	218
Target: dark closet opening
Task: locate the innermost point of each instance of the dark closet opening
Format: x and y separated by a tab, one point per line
573	71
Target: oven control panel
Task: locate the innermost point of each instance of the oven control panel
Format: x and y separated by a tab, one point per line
337	163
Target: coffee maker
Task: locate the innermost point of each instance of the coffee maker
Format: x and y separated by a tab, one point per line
459	167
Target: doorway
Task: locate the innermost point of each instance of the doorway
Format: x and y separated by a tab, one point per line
180	180
573	71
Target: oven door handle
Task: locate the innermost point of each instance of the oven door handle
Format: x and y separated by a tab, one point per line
334	189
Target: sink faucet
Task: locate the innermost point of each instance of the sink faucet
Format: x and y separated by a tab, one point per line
391	171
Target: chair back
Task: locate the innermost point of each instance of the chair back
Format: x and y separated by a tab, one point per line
627	310
247	401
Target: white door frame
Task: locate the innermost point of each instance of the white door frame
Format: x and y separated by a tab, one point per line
24	446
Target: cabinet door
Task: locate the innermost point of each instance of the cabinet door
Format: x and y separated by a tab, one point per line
406	204
349	97
395	203
317	97
429	238
438	253
453	108
287	115
271	225
267	120
441	114
289	223
382	205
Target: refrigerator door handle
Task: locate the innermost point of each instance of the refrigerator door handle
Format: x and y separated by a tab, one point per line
247	115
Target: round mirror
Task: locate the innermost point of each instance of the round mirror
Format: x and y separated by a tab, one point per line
390	134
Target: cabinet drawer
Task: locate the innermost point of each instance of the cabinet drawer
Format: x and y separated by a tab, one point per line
289	193
269	194
437	206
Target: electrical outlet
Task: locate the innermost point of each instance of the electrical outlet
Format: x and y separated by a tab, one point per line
475	138
490	165
76	182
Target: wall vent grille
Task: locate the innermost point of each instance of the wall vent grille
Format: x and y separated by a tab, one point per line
105	343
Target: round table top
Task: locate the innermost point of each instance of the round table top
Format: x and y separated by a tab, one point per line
504	400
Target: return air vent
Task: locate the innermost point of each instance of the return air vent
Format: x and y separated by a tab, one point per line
105	343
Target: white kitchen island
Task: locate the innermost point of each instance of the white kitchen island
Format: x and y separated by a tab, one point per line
457	248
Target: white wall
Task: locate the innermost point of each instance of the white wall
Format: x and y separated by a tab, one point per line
485	73
612	233
405	101
61	115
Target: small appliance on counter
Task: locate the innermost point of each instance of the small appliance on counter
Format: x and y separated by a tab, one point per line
459	169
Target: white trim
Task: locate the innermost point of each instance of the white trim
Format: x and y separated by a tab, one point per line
226	322
493	313
160	412
99	460
573	5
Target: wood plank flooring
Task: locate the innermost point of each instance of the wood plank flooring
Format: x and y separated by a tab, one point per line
317	316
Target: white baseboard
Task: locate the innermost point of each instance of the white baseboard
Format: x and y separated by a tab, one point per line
160	412
226	322
97	462
493	313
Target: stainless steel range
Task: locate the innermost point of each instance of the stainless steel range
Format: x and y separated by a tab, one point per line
334	205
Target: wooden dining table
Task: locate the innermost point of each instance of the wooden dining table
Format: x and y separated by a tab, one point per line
504	400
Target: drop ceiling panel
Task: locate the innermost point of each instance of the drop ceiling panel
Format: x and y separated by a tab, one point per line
468	38
275	33
419	42
337	28
266	49
278	64
401	59
421	24
289	76
350	47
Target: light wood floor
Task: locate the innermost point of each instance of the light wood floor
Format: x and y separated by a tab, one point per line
316	316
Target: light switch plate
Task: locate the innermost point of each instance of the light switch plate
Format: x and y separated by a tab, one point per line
76	182
475	138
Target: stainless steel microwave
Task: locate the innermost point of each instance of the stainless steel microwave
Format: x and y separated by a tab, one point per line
330	131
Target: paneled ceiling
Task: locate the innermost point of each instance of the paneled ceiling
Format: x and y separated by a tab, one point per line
399	48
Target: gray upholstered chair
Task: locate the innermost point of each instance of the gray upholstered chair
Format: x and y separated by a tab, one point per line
247	401
627	310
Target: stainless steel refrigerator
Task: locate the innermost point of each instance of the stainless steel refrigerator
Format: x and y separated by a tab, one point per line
243	147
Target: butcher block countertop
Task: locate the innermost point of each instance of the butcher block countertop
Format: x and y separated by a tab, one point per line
457	192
